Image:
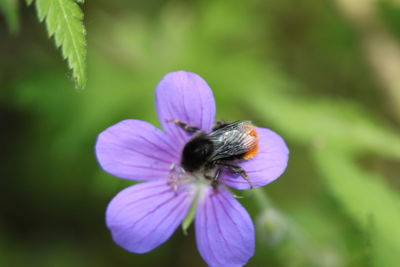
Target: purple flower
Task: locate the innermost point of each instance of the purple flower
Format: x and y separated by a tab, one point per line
143	216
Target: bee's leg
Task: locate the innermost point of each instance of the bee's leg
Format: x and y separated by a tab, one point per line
236	170
186	127
219	124
214	178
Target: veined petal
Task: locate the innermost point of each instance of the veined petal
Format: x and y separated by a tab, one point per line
136	150
266	166
187	97
144	216
224	231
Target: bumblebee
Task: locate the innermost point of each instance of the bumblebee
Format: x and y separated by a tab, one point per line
226	144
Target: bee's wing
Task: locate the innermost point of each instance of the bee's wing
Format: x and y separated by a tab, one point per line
233	139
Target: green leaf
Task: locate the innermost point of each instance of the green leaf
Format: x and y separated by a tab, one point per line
29	2
367	199
339	124
9	8
63	20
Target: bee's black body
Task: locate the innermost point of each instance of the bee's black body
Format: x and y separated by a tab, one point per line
196	153
228	142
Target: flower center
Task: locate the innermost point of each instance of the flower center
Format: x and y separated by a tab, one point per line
178	176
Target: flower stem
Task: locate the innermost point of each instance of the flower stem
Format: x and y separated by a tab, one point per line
192	212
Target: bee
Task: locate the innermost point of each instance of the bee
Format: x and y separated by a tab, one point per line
226	144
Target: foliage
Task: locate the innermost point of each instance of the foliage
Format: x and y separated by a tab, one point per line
301	73
375	206
63	20
9	8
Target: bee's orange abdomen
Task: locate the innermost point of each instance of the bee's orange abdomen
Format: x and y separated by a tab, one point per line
252	152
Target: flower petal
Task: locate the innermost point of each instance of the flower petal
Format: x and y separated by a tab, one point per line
187	97
224	230
144	216
266	166
136	150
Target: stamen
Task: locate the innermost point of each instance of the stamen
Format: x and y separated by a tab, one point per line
177	175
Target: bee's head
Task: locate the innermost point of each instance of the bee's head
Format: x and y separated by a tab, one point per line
196	153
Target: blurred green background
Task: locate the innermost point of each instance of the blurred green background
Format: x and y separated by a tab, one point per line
323	74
